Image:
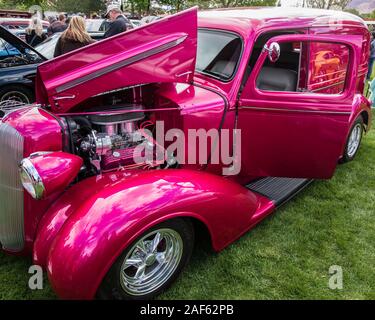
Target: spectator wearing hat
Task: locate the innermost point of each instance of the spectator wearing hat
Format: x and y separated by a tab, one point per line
118	21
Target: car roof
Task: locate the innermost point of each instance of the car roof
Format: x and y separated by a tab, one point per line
19	20
249	20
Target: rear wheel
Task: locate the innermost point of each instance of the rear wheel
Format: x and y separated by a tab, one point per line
354	140
151	263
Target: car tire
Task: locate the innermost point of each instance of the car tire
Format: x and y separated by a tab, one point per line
21	94
151	263
354	140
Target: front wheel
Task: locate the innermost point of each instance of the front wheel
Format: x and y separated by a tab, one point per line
354	140
150	264
16	94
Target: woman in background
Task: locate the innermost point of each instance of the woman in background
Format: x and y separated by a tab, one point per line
35	33
74	37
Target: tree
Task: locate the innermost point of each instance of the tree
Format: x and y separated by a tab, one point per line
86	6
243	3
141	7
328	4
353	11
22	4
6	4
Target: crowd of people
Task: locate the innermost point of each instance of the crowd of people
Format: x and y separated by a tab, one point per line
74	34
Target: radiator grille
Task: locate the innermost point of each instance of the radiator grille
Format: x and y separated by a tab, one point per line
11	190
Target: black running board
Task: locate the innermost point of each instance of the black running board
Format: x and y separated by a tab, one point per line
279	190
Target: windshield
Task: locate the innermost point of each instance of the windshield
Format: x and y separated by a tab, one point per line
47	48
218	53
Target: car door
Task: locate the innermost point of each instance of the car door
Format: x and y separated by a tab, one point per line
293	124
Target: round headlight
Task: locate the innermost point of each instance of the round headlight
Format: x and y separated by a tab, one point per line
31	179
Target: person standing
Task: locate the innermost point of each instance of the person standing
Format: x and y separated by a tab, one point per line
372	57
57	25
74	37
35	33
118	21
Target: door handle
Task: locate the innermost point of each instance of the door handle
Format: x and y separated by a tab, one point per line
64	97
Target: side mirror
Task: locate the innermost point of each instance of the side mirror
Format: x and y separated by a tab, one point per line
273	51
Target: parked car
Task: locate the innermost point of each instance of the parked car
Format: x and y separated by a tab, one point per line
97	25
149	19
104	220
135	22
19	25
102	25
18	64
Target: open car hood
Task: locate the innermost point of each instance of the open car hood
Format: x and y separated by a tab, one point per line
16	42
163	51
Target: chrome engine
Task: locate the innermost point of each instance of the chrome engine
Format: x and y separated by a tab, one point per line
109	141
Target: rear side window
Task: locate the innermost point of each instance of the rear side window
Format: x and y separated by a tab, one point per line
314	67
328	65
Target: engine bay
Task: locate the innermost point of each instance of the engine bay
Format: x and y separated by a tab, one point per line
118	136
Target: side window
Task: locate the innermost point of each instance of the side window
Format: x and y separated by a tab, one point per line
284	74
314	67
328	68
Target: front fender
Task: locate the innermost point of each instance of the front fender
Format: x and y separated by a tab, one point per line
116	208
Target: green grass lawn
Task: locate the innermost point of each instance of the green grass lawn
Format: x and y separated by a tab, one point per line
287	256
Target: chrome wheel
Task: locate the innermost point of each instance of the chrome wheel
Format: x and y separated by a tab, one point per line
16	96
354	140
151	261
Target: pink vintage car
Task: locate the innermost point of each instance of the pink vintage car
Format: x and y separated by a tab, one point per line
106	221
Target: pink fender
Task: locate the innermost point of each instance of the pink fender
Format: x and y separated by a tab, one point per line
87	229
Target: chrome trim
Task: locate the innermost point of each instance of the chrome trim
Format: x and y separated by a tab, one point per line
294	110
28	168
11	190
120	89
39	153
329	86
120	64
64	98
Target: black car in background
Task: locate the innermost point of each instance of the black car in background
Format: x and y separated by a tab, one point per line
18	64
